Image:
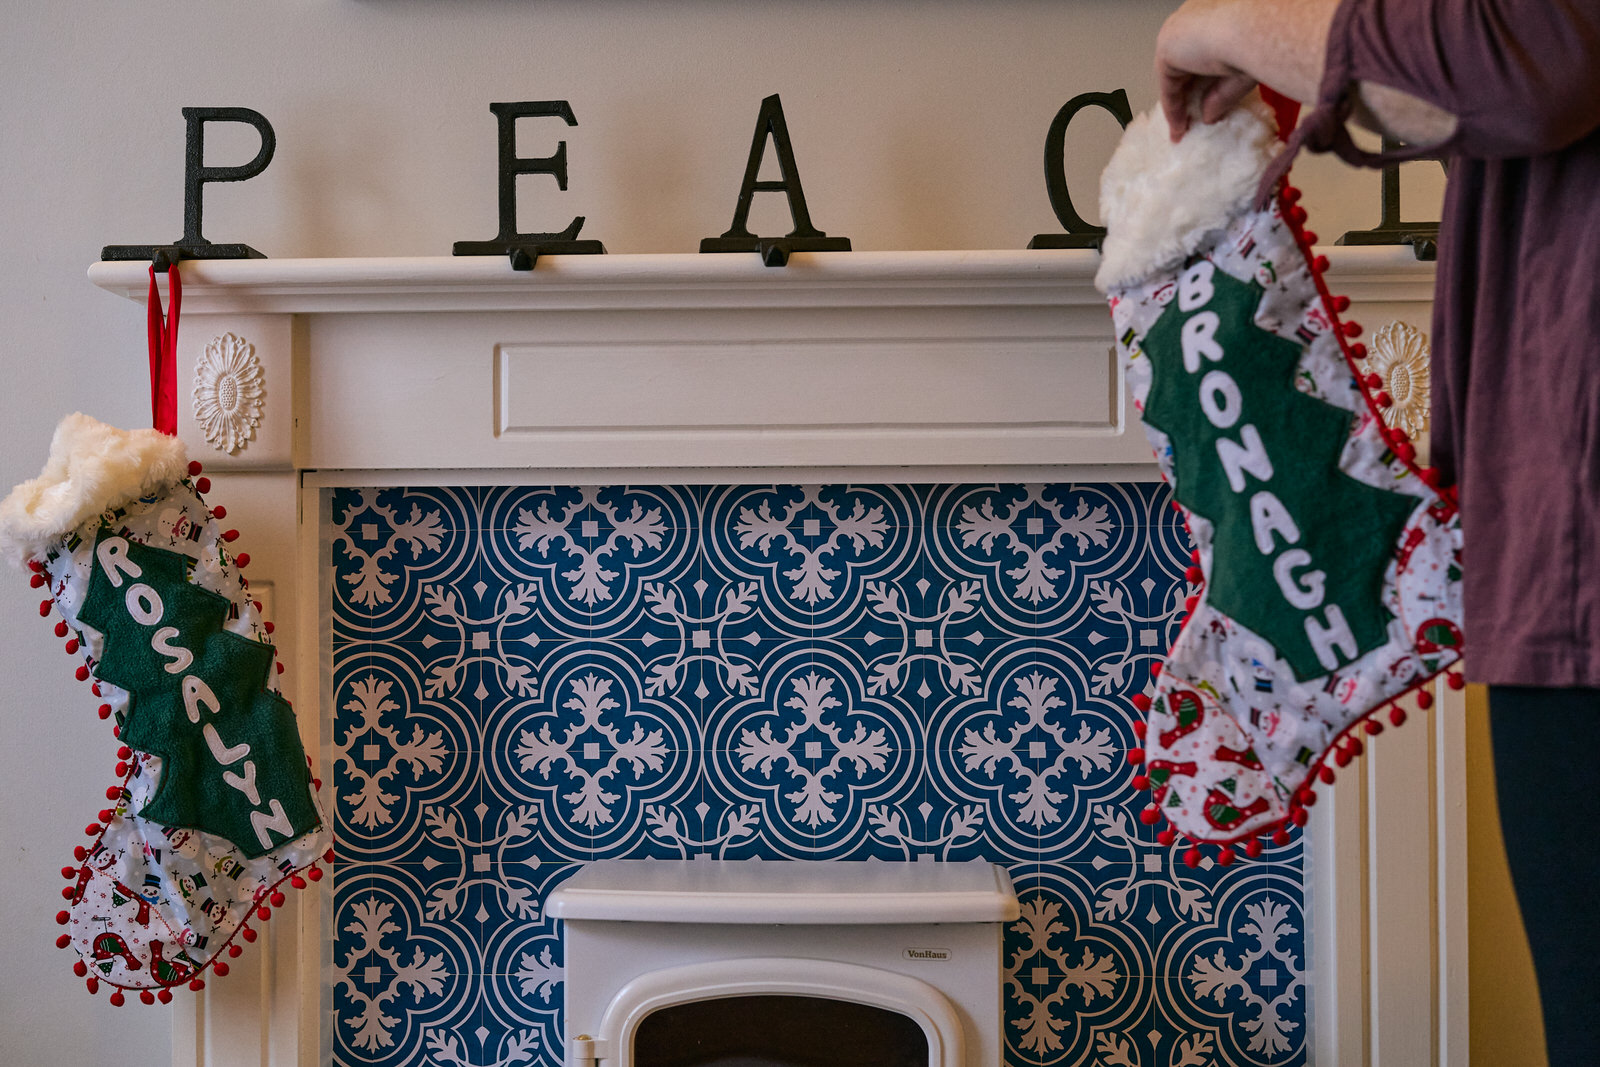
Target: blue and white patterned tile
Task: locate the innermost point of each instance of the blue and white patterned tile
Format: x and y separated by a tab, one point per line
1243	975
524	976
1038	550
1034	749
396	755
1066	977
814	751
813	550
593	752
386	545
1141	883
396	974
528	677
1155	1041
592	552
710	825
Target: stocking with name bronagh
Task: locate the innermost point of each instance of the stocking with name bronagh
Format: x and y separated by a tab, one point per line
1326	563
213	808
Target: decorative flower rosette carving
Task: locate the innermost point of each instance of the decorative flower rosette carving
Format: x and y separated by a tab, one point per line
229	391
1398	356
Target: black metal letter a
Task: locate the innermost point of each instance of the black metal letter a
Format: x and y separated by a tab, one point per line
804	237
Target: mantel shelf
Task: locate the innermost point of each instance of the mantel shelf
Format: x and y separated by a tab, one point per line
687	281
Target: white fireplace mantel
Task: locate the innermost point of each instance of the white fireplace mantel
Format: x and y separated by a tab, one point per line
905	366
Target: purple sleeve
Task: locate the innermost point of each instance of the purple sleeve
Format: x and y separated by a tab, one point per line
1522	77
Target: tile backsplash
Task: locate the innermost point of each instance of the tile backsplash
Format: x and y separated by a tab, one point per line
526	678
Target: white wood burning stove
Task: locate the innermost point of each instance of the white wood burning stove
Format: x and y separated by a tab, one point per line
710	963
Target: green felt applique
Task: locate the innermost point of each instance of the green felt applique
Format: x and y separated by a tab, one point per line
234	764
1301	547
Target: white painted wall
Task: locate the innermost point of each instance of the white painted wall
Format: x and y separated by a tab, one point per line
919	124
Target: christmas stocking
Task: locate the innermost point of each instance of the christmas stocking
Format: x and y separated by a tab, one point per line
215	805
1328	563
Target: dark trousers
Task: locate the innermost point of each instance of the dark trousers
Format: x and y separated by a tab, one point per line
1545	741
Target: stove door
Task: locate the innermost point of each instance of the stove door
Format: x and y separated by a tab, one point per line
778	1031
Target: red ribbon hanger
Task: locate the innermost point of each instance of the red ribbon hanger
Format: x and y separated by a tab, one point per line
164	353
1285	110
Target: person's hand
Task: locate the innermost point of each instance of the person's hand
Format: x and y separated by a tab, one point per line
1211	53
1194	76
